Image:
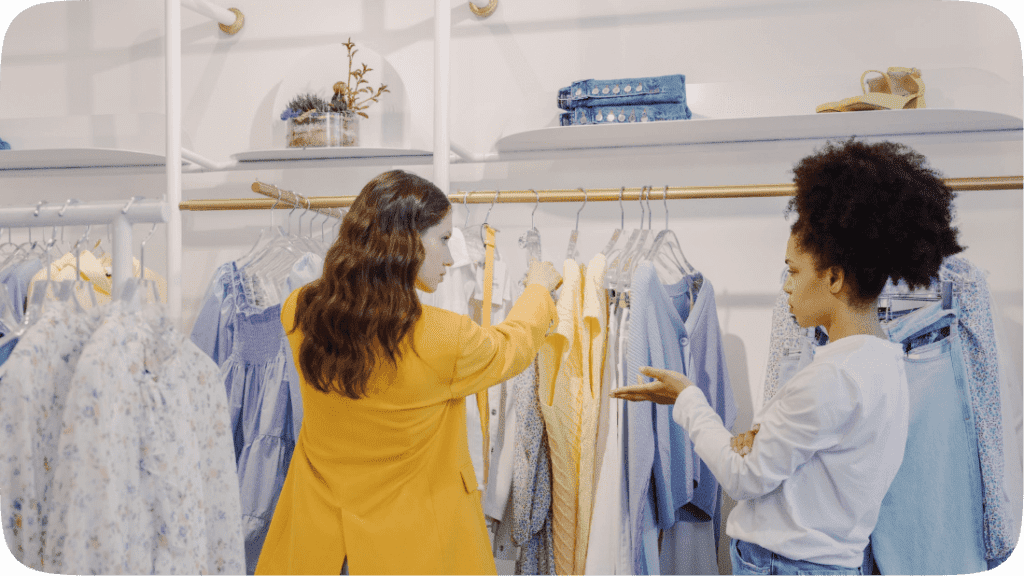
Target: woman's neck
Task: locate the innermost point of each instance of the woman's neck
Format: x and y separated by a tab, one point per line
850	321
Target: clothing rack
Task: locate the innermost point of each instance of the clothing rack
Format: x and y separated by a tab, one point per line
576	195
118	215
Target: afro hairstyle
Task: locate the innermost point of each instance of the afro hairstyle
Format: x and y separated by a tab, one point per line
876	211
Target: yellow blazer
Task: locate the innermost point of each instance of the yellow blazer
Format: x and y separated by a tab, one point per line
387	480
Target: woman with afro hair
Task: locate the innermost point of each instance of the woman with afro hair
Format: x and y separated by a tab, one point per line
831	440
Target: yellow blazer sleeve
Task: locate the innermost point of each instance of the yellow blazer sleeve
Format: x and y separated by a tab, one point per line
488	356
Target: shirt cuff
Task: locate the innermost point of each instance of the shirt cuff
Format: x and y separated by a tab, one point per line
689	405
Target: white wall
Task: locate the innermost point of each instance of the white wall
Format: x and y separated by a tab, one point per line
743	58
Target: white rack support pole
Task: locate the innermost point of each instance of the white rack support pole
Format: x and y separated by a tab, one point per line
172	60
122	249
442	92
211	10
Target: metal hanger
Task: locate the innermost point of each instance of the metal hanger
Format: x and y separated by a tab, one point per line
618	231
530	241
487	216
570	253
465	202
636	240
668	238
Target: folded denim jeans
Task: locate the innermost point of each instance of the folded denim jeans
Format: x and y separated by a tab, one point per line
625	114
623	92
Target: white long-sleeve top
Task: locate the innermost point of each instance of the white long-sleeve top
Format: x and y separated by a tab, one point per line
830	443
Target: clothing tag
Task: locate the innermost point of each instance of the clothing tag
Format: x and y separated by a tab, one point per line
497	286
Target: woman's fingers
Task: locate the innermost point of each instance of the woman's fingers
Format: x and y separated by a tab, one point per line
659	373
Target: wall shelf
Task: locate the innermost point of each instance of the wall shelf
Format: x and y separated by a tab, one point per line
553	142
32	162
341	156
614	136
79	158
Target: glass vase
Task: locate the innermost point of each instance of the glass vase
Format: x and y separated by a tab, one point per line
324	129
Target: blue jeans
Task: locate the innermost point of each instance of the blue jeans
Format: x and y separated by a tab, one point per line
623	92
931	520
625	114
749	558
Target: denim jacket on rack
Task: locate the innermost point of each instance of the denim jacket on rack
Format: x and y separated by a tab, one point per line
626	114
623	92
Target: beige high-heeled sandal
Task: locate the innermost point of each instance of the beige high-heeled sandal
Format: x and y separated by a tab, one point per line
897	89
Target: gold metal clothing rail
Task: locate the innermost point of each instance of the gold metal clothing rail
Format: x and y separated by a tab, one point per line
567	195
278	198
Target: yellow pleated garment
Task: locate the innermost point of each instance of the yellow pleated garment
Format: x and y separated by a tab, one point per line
593	332
93	270
560	370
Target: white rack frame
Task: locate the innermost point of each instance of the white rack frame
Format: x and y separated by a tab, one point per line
119	215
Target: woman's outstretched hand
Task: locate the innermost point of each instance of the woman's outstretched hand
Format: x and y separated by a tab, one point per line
664	389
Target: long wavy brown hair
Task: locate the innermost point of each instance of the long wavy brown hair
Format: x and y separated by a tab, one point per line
363	305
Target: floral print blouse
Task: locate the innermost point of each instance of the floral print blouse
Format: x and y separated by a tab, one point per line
117	453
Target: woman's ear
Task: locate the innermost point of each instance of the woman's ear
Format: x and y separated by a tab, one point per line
836	280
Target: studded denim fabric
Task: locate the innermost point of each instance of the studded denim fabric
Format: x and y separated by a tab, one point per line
623	92
626	114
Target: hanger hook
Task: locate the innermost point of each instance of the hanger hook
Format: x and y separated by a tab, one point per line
640	200
581	207
465	202
129	204
534	208
493	200
35	214
309	208
69	202
664	200
622	210
488	215
296	202
142	252
78	252
60	214
650	212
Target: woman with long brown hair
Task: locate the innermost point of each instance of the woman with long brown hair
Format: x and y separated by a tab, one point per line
381	478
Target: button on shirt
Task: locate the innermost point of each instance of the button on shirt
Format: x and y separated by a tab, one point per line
830	443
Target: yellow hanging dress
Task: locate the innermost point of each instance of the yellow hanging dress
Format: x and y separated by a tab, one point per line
560	371
594	332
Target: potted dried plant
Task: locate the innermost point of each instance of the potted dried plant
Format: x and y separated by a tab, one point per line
313	121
